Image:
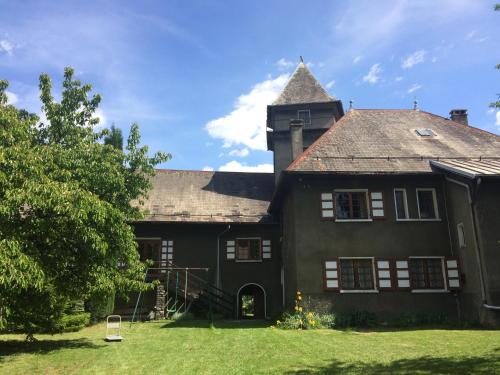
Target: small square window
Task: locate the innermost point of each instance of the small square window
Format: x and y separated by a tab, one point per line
425	132
427	204
351	205
248	249
305	115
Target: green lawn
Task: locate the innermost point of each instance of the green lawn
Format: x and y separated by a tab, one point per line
252	348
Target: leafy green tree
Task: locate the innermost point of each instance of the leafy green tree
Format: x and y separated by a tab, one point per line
65	207
114	137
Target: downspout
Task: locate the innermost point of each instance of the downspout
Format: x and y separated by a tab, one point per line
217	269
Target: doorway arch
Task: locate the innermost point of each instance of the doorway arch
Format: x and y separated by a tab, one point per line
251	302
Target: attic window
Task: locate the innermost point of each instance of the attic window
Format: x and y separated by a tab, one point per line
304	114
425	132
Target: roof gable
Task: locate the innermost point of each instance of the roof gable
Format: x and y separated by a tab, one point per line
303	88
385	141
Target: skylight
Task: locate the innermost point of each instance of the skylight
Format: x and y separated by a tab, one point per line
425	132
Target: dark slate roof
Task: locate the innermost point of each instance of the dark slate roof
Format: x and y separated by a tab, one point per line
384	141
303	88
470	168
210	197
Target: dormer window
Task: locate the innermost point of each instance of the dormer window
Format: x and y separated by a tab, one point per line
425	132
305	115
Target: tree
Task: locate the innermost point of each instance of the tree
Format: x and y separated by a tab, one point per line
65	207
114	137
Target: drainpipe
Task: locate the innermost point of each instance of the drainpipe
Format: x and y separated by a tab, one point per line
217	270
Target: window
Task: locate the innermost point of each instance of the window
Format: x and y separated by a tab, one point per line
305	115
248	249
149	249
461	235
356	274
427	204
401	204
426	273
351	205
425	132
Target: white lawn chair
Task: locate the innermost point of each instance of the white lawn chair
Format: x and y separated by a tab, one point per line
113	328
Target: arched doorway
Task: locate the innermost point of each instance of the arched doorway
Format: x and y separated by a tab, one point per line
251	302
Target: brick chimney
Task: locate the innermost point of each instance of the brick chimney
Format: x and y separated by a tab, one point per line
296	141
460	116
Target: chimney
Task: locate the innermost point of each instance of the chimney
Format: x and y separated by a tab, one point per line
297	144
460	116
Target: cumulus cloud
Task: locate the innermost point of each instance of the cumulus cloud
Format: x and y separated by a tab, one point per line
246	123
414	88
498	118
6	46
234	166
283	64
415	58
239	153
11	97
398	79
330	84
373	75
207	169
99	113
356	60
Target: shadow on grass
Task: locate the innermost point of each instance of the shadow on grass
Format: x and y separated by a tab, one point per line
422	365
12	347
219	324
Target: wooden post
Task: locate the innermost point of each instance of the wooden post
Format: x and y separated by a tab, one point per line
185	291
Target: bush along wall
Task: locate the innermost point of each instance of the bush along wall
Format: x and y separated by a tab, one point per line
100	305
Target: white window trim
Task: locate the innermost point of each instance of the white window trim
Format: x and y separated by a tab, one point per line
374	290
407	212
434	200
368	205
249	260
443	271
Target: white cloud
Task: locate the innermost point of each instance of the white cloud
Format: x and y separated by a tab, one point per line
415	58
398	79
414	88
11	97
6	46
470	35
246	123
330	84
239	153
356	60
234	166
99	113
207	169
373	74
283	64
483	39
498	118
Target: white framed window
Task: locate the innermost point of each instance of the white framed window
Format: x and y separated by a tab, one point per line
357	275
352	205
461	235
427	204
401	204
305	115
427	273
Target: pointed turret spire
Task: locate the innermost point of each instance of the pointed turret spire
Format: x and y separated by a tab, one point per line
303	88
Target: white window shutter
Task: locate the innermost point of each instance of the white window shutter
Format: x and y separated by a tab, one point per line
230	249
402	274
377	205
331	274
266	249
453	274
327	206
384	274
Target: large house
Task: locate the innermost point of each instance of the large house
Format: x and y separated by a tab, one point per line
389	211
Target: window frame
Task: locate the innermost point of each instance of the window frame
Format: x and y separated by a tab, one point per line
434	201
236	250
443	274
405	198
159	239
304	110
368	205
374	278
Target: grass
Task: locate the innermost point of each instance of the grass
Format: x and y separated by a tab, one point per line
191	347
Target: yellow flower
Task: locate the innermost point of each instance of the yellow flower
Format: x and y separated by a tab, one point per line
309	314
300	309
299	298
278	322
296	308
298	292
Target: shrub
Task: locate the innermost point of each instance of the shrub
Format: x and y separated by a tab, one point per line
361	319
100	305
73	322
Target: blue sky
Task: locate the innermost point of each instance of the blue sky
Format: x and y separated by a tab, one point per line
197	75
